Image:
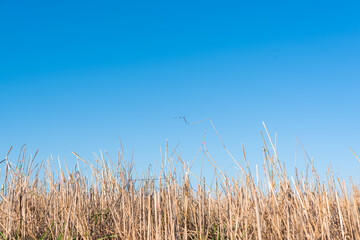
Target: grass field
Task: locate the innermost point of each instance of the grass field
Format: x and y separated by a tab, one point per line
108	202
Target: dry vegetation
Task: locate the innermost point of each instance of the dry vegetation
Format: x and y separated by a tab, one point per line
108	202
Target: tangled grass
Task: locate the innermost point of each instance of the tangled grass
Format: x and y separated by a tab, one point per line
109	203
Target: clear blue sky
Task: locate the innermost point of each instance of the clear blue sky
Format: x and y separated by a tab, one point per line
76	75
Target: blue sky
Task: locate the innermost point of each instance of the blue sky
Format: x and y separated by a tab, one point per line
76	75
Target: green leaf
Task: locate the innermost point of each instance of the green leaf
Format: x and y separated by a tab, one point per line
2	235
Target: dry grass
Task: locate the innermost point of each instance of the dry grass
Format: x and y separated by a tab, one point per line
108	202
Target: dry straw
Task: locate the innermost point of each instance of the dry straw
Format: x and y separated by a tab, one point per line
107	201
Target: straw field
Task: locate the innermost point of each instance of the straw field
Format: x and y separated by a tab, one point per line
108	202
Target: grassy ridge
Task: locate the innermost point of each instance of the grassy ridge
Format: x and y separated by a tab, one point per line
109	203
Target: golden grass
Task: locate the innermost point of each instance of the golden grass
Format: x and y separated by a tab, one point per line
107	202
